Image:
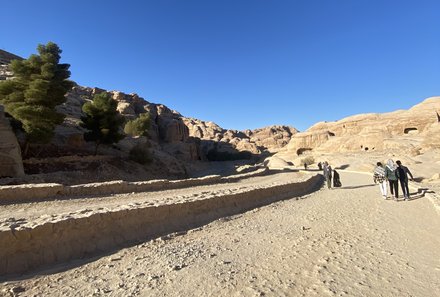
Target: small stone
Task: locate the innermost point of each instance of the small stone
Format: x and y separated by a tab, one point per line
153	277
16	290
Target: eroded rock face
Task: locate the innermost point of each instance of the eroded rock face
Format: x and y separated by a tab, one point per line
172	137
214	137
5	59
168	131
11	164
273	138
402	129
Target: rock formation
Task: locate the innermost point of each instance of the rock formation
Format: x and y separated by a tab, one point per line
273	138
169	141
5	59
399	130
268	139
173	139
11	164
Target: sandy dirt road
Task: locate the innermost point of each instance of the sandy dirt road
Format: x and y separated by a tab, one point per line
340	242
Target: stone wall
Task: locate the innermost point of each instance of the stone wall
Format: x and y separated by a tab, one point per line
49	241
35	192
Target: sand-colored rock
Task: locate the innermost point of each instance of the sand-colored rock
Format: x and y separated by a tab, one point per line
399	130
275	162
5	59
269	139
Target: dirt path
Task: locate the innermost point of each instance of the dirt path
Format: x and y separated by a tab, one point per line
341	242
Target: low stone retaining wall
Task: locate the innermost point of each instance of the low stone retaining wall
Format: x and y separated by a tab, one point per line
32	192
435	199
55	239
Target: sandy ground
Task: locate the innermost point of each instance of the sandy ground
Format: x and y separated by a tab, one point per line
339	242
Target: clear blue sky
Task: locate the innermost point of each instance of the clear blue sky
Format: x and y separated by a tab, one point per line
243	64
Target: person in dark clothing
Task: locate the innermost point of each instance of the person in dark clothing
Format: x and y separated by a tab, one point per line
402	174
327	172
336	179
391	175
320	166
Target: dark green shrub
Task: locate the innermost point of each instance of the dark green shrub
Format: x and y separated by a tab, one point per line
140	154
139	126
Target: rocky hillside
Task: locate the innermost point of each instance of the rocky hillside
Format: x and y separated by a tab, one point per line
264	140
186	139
359	141
413	129
5	59
176	143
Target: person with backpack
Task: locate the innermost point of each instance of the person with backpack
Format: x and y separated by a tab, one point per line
336	179
402	174
379	177
391	175
327	172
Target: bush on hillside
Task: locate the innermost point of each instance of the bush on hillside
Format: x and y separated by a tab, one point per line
139	126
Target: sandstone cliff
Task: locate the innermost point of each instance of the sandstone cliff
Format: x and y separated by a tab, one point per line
358	142
268	139
399	130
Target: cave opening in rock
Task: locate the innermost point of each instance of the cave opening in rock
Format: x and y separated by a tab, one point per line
301	151
410	130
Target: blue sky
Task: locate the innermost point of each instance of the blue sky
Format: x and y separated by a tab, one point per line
243	64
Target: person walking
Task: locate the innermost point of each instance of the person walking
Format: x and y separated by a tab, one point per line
379	177
336	179
402	174
391	175
327	171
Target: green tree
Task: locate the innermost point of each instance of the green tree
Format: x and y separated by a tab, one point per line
138	126
39	85
102	120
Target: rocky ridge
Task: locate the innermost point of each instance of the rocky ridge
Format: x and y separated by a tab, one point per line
360	141
176	143
267	139
402	130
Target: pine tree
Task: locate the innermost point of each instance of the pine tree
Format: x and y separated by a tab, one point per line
102	120
39	85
